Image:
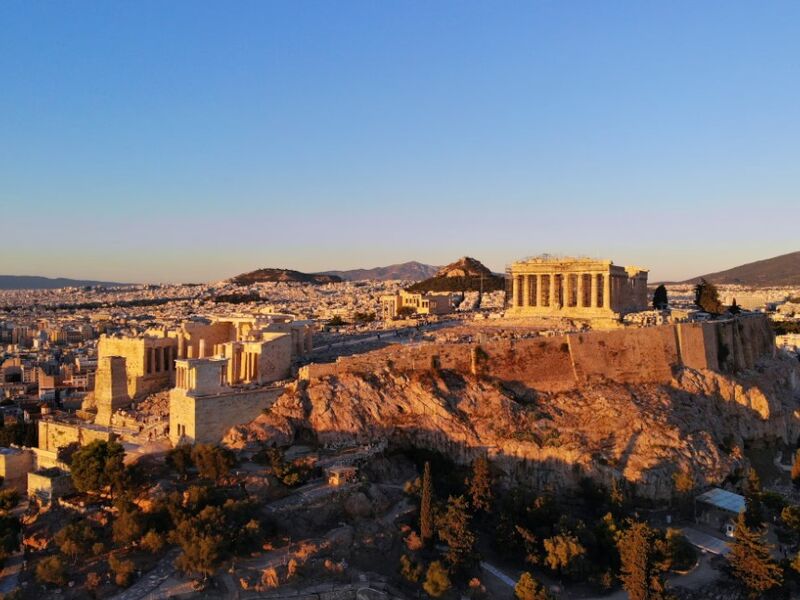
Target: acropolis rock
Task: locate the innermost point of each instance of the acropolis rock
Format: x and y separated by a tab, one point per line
640	425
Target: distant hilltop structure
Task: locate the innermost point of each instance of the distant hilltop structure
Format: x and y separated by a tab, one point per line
581	288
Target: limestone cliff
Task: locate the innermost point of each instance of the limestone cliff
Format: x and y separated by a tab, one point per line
641	432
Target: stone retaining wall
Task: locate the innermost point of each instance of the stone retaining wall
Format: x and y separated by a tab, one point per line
634	355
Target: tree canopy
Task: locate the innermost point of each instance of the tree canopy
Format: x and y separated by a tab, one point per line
706	296
750	560
660	300
97	466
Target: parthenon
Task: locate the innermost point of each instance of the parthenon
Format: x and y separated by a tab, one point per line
576	288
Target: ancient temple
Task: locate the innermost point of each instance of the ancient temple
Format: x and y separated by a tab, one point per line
575	288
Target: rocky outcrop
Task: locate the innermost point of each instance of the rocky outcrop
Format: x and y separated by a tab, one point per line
639	432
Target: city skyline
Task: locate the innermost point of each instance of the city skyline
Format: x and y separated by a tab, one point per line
193	142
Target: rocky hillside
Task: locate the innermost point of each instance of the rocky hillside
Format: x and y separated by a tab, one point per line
777	271
408	271
641	433
464	275
283	275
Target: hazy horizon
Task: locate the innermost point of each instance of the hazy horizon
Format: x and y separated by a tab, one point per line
192	141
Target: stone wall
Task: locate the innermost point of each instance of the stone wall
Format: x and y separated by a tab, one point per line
111	388
207	418
275	359
56	434
49	486
15	464
626	355
633	355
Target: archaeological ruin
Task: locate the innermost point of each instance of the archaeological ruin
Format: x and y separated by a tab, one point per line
580	288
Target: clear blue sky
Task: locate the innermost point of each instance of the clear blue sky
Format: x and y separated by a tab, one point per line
185	141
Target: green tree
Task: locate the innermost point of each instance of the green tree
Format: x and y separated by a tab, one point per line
203	546
453	526
683	486
180	459
528	588
660	300
563	552
128	525
75	539
10	529
790	515
480	485
9	498
639	571
754	508
530	543
409	569
212	462
51	570
97	466
426	506
750	560
122	569
706	297
678	552
437	580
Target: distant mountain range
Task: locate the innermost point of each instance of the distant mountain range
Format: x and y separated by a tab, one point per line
413	271
464	275
283	275
31	282
777	271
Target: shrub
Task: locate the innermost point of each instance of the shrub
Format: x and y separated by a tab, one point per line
75	539
153	541
212	462
127	526
122	569
51	570
437	580
528	588
409	569
9	498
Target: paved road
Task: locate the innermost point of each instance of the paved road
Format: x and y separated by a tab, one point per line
147	584
498	574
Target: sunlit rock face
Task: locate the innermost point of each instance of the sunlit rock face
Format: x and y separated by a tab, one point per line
636	425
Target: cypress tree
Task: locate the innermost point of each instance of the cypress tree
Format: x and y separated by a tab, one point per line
750	560
660	300
426	506
639	572
754	511
480	487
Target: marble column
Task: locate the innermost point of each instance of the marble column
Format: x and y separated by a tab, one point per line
580	291
552	290
539	294
607	290
514	290
526	290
